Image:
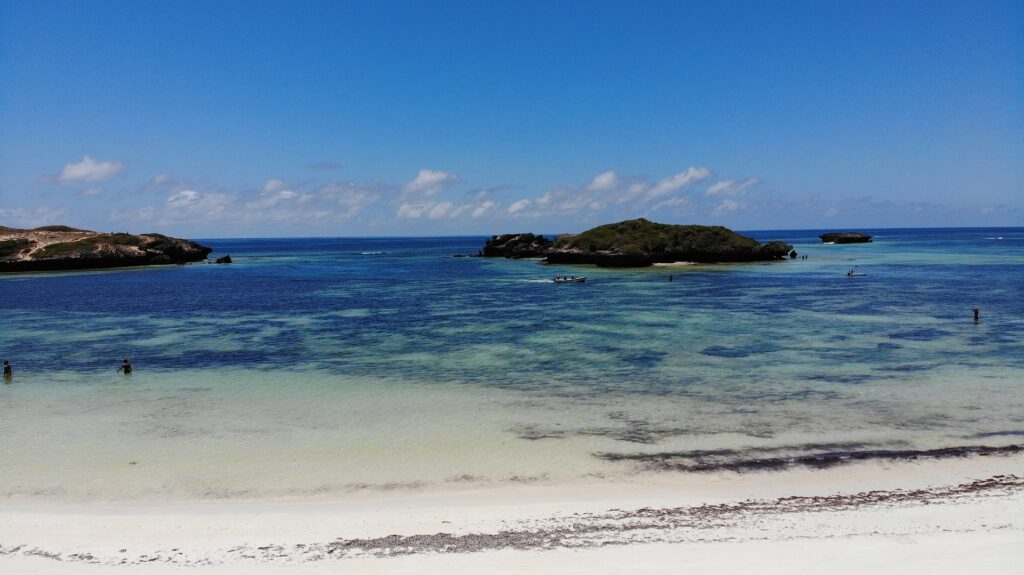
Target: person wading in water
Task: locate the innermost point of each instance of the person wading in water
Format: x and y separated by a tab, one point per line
126	366
8	370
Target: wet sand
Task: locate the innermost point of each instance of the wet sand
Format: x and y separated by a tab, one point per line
940	515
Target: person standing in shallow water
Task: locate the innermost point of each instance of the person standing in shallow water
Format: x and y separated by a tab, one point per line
126	366
8	370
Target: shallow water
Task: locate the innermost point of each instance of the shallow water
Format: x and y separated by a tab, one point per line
319	366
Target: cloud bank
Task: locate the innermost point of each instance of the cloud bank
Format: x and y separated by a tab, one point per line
437	202
432	199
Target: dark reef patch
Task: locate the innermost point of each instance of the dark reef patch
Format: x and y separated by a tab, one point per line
695	461
1014	433
642	358
852	379
920	334
909	367
739	350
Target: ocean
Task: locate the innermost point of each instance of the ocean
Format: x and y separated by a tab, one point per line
330	366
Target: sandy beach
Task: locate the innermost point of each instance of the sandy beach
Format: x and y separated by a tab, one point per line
955	515
560	287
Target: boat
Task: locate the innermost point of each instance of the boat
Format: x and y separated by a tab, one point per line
569	280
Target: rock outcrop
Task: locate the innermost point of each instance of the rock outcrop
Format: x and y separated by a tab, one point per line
845	238
52	248
640	243
516	246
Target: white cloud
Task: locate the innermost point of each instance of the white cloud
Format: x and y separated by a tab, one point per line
350	193
482	209
89	170
274	201
731	187
439	210
207	206
607	196
677	182
725	207
430	182
270	199
274	192
183	198
636	189
567	200
603	182
273	185
608	189
518	206
93	191
412	211
831	212
675	202
165	184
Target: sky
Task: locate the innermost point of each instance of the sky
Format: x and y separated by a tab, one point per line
264	119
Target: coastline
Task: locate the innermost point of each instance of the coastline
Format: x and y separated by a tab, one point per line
634	425
869	509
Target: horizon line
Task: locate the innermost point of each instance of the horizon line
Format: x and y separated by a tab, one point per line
400	237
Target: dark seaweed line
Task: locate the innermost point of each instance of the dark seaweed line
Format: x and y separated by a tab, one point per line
663	461
615	527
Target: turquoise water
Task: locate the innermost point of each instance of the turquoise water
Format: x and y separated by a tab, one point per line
326	366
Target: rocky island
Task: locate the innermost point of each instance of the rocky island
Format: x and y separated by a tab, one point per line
516	246
55	248
844	238
639	243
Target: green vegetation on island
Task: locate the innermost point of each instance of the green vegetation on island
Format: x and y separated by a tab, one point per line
51	248
639	243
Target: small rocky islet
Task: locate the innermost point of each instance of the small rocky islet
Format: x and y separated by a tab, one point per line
845	238
516	246
638	243
60	248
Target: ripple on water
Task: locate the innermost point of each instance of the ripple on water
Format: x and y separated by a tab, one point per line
309	368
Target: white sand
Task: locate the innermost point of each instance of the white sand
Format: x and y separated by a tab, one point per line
674	264
936	530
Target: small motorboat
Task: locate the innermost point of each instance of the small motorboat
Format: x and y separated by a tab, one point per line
569	280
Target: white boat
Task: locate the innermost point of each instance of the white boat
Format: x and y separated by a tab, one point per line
569	280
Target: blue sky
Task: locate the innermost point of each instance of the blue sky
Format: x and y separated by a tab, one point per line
210	119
